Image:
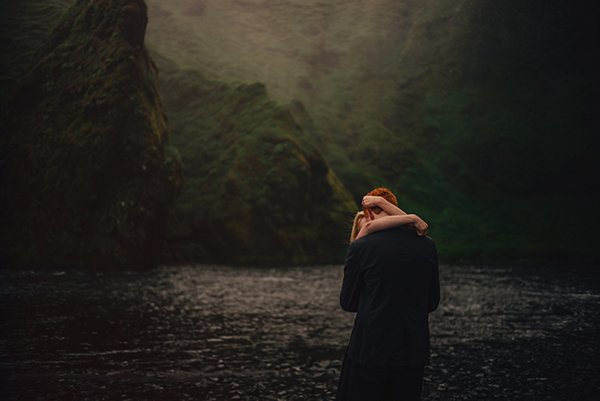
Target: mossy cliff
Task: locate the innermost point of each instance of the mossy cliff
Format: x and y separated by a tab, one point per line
89	170
257	189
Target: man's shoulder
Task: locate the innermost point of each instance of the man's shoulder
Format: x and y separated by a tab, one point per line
429	239
409	235
400	233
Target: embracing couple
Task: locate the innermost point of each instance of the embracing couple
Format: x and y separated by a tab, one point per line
391	281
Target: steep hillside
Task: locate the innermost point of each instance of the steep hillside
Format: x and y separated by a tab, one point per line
257	189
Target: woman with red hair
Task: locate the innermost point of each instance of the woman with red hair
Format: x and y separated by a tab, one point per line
374	204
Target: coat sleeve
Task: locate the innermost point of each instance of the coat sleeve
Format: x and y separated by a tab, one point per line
352	284
434	284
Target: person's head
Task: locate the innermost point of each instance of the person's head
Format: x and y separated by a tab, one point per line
359	222
385	194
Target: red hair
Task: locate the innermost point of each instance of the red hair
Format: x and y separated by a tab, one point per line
385	194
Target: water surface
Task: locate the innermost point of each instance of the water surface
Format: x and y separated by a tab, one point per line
248	333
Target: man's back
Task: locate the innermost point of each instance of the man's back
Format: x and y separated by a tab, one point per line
391	281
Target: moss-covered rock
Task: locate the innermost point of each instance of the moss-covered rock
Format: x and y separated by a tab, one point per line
257	189
89	170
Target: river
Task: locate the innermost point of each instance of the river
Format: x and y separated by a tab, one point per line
253	333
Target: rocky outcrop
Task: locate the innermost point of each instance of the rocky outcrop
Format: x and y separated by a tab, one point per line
257	189
89	170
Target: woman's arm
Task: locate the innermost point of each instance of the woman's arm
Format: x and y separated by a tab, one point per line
373	201
384	223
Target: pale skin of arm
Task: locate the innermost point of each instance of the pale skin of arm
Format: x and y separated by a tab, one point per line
397	218
372	201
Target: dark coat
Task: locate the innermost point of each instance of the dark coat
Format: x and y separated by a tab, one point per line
391	279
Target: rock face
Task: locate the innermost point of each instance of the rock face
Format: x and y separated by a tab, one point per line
89	170
257	189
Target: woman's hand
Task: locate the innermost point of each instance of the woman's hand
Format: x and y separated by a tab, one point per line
378	201
419	225
372	201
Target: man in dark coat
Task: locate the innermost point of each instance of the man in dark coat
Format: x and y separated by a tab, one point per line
391	281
